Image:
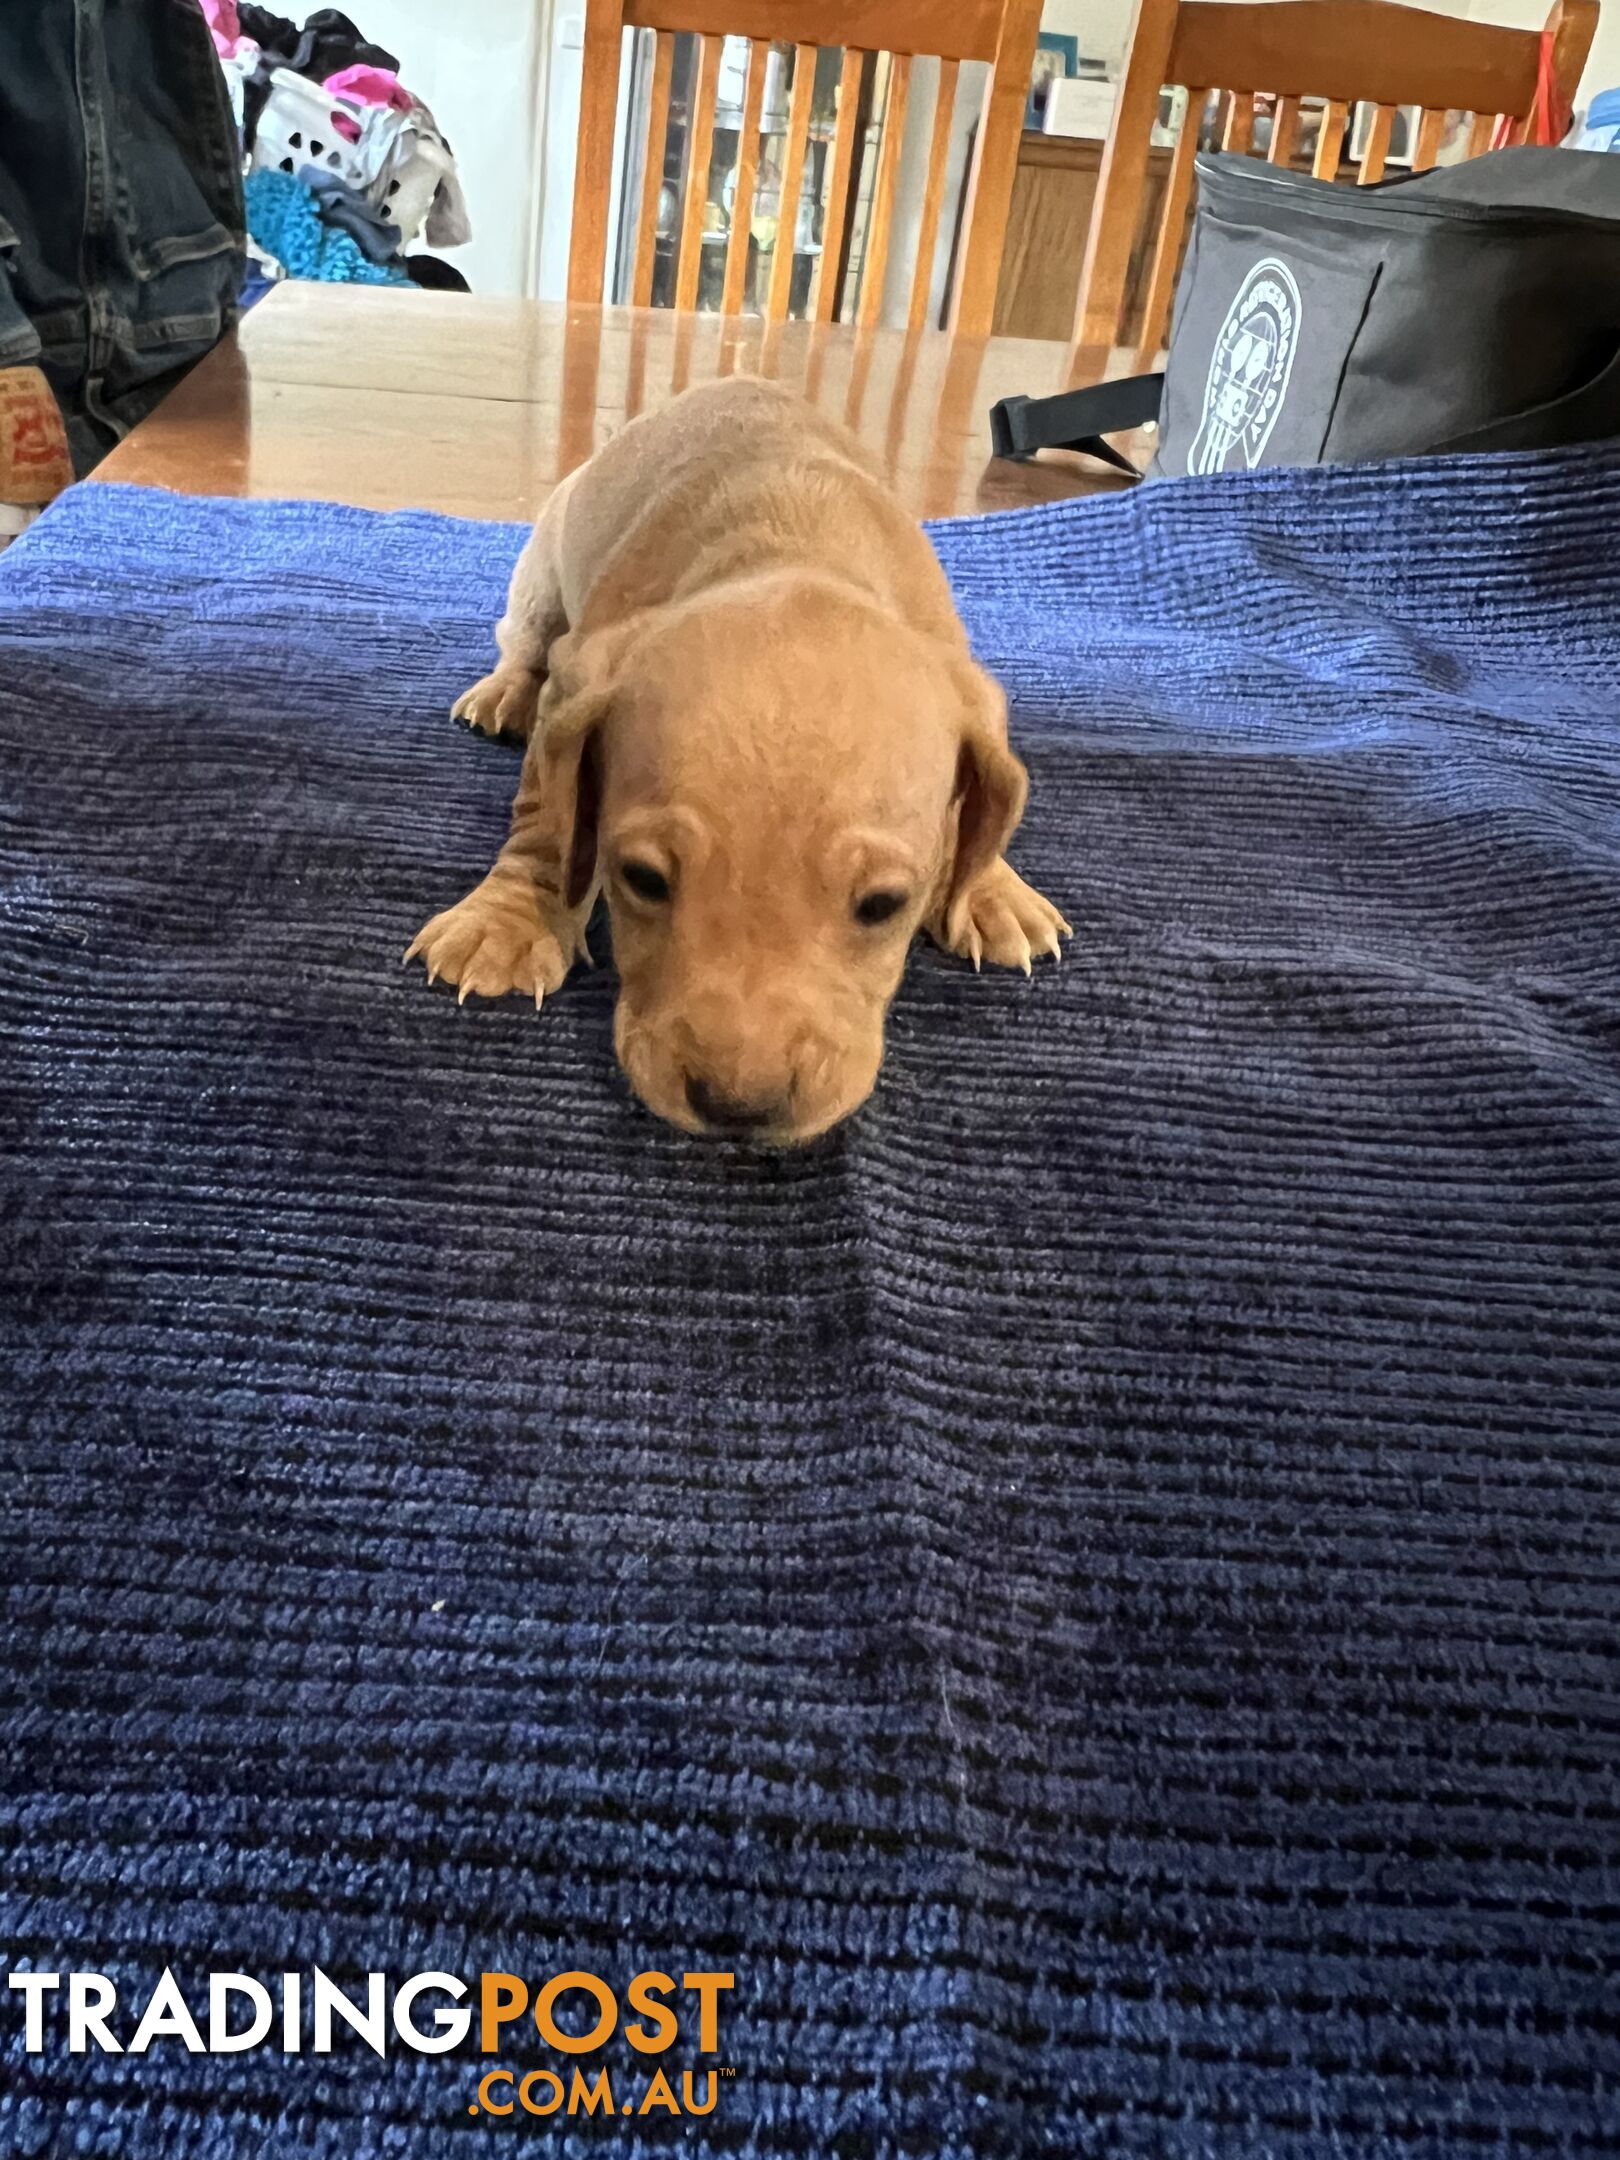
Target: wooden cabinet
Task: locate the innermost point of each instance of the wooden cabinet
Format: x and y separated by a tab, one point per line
1054	191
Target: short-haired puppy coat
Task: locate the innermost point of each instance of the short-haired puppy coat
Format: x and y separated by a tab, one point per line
753	719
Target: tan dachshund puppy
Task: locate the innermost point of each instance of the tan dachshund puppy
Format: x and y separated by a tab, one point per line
752	717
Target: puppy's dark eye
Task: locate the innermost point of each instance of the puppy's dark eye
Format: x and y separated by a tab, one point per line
644	881
877	908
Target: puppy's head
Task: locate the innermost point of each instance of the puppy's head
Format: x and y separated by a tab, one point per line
776	787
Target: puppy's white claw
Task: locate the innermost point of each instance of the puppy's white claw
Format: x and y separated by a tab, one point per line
433	974
539	996
461	994
1054	946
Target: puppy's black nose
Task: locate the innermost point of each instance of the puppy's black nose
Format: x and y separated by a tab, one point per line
728	1113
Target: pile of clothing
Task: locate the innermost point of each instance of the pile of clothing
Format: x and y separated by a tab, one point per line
344	165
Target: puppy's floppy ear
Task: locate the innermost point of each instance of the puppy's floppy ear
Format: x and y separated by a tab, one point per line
991	784
564	778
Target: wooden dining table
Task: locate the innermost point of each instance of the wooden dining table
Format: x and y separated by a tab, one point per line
395	399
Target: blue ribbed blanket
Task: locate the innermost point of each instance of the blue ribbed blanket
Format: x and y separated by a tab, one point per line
1094	1592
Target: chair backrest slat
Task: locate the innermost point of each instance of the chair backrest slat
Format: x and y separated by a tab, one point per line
1284	131
1370	53
1431	133
1330	140
793	149
1122	173
988	194
695	180
1379	133
742	208
652	170
593	160
939	150
1238	134
880	220
1172	226
829	270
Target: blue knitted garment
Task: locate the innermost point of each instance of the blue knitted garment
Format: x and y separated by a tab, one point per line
285	219
1093	1591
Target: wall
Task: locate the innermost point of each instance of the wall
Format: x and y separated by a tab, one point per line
970	84
482	66
1102	26
1603	69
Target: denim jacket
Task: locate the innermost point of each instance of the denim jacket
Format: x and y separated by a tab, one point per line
121	225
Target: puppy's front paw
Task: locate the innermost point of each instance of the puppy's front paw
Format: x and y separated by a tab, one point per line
1003	920
491	943
503	704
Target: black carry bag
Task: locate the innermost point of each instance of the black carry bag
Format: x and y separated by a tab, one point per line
1474	307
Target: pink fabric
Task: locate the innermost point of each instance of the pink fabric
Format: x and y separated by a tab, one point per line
222	21
1550	118
370	85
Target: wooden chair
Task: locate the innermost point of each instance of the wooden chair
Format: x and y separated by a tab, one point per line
1347	51
1001	32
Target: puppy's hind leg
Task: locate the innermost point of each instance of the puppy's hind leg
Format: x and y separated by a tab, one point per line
504	703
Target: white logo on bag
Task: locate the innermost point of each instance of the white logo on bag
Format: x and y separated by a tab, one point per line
1248	370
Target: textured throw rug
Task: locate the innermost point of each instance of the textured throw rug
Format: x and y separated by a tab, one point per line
1093	1593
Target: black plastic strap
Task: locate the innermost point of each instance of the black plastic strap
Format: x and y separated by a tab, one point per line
1076	419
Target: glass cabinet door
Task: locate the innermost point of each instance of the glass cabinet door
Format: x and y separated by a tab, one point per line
769	228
